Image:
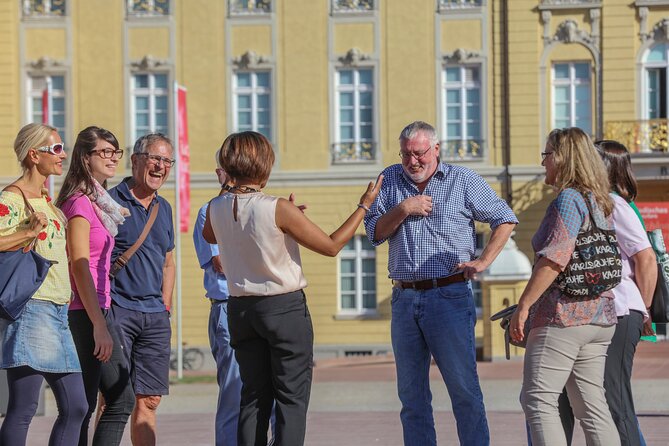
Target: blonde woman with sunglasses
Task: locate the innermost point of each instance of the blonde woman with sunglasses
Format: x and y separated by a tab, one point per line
39	345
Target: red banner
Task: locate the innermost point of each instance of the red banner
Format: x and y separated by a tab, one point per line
45	106
656	216
184	160
45	120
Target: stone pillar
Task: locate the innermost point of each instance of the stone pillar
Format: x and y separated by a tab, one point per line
502	285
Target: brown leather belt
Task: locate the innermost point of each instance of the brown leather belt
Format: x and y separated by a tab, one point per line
431	283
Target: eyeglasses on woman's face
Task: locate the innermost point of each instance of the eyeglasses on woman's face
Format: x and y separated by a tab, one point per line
54	149
109	153
545	155
157	159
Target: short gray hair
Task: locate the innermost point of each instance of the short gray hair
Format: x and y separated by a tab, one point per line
411	131
144	142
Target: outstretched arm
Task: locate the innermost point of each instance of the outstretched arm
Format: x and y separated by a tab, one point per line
291	220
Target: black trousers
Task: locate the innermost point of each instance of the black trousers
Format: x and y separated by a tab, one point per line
117	395
273	341
618	376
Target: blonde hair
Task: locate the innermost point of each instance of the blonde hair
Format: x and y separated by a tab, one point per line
579	166
33	136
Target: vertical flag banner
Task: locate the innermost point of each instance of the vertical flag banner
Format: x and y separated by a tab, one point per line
47	118
45	106
184	160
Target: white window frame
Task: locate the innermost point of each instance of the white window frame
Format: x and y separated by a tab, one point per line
647	66
151	9
254	90
29	11
356	88
37	94
152	92
357	254
462	86
572	83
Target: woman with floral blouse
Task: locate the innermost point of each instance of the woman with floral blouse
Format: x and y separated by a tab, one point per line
568	337
39	345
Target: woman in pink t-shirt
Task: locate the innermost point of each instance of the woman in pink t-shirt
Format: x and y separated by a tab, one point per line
93	217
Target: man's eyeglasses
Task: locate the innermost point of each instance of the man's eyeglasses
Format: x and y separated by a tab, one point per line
54	149
544	155
109	153
418	156
157	159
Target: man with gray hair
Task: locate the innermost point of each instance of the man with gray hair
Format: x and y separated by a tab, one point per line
427	211
141	290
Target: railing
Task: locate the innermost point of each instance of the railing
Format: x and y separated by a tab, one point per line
462	150
146	8
568	2
43	8
646	136
449	5
353	152
249	7
352	6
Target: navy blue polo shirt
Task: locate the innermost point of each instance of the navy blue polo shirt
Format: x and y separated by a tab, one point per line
138	286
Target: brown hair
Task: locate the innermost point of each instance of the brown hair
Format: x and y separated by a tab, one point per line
247	156
79	177
617	159
579	166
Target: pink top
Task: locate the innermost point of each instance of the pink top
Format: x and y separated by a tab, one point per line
632	238
101	244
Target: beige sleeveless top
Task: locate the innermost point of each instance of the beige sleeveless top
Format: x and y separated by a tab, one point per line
258	258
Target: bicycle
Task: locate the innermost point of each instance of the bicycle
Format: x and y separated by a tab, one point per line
193	358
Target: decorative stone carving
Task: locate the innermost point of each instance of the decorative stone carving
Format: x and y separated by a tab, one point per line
45	63
643	24
249	60
568	32
546	20
659	32
353	57
461	55
148	63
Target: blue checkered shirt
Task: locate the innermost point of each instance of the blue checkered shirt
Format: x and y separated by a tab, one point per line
430	247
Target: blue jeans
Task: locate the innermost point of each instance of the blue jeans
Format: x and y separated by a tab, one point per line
438	323
227	374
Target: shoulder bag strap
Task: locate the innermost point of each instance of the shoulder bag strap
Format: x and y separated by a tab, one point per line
123	259
29	210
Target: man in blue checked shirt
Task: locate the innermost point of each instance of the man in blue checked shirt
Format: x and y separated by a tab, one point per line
427	210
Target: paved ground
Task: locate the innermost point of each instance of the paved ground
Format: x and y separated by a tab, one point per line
354	403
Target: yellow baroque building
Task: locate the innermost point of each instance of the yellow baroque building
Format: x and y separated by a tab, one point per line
332	83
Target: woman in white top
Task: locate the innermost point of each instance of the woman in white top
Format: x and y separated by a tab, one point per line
270	325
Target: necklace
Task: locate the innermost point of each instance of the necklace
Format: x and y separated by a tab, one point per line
243	189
